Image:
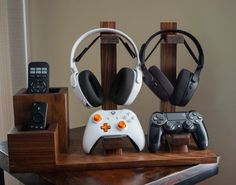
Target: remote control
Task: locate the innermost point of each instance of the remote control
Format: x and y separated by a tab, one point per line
38	77
38	116
176	123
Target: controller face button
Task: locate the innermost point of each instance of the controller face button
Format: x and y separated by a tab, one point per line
97	118
199	117
154	118
121	124
105	127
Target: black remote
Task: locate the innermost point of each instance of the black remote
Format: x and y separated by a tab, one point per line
38	77
38	116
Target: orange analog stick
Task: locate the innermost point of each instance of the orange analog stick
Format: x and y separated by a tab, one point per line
97	117
121	124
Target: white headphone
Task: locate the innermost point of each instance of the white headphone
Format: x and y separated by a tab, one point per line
125	86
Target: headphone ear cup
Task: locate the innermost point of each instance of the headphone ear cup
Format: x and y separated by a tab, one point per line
122	86
91	88
164	88
181	86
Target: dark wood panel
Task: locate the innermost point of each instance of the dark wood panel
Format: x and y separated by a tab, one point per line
57	101
152	175
76	159
108	63
173	39
33	150
168	63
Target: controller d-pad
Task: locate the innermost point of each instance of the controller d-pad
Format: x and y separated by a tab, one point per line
159	119
105	127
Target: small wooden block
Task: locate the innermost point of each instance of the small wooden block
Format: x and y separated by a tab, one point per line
35	150
107	38
173	39
112	146
58	112
178	143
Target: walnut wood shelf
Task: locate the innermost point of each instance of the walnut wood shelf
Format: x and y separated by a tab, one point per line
168	175
77	159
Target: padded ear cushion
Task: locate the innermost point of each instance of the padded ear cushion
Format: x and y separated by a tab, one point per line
181	85
91	88
122	86
165	88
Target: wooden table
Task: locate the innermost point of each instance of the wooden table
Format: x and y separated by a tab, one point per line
135	176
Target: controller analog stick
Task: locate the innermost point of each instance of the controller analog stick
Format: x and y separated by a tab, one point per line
97	118
188	125
170	126
121	125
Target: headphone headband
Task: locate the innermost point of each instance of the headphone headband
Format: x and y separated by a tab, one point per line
99	30
195	41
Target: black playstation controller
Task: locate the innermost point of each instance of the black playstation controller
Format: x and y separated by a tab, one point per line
176	123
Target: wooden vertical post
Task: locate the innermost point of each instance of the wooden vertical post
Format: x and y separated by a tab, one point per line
108	63
176	143
108	73
168	63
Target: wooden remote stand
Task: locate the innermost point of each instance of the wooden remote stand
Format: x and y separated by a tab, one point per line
176	143
111	146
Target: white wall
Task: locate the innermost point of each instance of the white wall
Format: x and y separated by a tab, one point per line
12	70
56	24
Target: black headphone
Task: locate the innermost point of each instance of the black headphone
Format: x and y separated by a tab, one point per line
186	83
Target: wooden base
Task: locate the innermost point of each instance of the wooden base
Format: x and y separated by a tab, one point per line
112	146
76	159
178	143
57	100
35	150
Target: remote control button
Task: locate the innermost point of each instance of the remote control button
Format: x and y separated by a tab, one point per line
105	127
113	112
97	118
121	124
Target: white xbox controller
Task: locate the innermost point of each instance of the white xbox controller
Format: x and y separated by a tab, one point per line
113	123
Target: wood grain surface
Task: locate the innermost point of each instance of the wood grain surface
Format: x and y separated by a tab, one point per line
57	112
